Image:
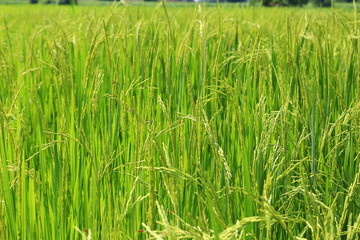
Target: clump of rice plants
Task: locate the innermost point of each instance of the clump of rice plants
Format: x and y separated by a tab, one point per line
160	122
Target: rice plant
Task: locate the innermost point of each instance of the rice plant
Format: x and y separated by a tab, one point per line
191	122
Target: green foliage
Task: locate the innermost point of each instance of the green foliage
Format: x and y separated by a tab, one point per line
279	3
179	123
322	3
282	3
65	2
68	1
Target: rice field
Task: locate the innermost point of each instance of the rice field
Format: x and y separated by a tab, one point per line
179	122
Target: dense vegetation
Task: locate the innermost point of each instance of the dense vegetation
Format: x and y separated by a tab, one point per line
206	123
268	3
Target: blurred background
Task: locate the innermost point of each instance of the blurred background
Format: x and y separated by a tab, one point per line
268	3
